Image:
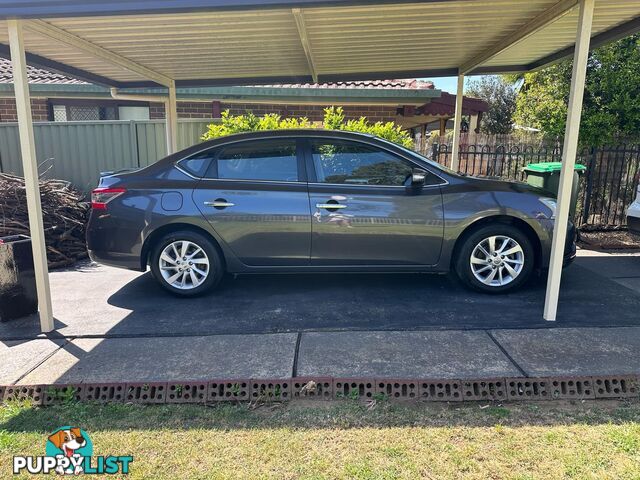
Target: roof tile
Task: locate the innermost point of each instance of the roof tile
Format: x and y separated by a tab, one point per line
41	76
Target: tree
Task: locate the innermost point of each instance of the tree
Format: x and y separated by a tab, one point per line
611	106
501	97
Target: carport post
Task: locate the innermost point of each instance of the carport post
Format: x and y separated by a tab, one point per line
574	112
457	125
30	167
171	114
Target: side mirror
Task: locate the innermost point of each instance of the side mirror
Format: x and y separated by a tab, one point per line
418	177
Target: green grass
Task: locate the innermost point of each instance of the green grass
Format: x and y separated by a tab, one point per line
346	439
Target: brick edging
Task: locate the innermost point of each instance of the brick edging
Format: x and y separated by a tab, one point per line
327	388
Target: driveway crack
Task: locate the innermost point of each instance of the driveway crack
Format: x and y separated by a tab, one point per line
506	354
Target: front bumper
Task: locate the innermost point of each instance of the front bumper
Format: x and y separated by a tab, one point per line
546	238
570	246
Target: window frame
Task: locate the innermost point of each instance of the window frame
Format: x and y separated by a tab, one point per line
312	174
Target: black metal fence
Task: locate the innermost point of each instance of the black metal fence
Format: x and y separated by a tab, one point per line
606	190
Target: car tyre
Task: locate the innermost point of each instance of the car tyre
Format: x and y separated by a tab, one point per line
482	266
186	263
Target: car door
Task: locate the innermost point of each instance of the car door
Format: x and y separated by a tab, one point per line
363	212
255	197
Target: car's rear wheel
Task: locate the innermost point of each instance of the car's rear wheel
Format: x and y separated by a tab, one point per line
186	263
495	259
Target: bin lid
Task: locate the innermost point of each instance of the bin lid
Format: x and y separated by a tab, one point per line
550	167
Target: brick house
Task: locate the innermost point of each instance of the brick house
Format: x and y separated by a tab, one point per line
416	105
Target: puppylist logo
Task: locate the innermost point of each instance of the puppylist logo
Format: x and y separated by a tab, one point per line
69	451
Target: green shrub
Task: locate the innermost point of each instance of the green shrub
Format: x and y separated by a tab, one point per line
334	119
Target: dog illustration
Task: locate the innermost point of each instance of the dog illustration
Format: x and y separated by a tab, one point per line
68	441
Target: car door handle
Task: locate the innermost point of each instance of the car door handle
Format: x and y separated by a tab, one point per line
219	204
330	206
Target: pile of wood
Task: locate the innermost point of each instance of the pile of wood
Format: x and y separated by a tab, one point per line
64	213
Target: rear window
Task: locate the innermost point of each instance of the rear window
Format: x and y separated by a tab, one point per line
198	164
266	160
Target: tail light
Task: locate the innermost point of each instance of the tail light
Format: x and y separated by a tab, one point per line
101	196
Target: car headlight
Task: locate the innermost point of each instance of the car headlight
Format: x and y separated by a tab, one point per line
551	204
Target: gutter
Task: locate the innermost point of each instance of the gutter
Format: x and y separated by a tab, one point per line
115	94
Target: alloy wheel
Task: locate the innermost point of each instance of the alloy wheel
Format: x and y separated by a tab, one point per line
184	264
497	260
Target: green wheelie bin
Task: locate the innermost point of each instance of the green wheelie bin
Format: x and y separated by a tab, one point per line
546	175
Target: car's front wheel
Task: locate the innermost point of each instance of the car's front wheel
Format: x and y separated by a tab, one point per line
186	263
495	259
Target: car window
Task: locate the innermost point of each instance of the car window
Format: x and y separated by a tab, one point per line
273	160
197	164
353	163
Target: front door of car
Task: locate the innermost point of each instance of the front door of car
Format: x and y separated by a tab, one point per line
363	211
255	197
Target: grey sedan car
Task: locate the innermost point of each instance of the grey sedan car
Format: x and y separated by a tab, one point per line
317	201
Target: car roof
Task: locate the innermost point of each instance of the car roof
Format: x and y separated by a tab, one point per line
297	132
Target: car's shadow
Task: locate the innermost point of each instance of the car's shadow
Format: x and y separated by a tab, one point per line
303	302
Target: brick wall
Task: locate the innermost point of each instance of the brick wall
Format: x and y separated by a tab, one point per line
39	110
313	112
8	112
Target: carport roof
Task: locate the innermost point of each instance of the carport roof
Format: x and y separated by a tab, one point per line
223	42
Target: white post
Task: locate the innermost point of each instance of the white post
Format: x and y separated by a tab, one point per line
30	167
574	112
171	115
457	125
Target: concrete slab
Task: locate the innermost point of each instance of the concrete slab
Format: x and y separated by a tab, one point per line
573	351
18	358
632	283
440	355
168	359
610	265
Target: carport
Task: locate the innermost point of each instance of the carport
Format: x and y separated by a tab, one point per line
129	44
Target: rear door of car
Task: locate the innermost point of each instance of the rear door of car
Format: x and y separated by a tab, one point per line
255	197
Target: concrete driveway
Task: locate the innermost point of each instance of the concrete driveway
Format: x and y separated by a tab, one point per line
597	291
120	326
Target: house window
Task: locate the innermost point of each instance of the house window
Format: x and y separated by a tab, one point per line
87	111
59	113
83	113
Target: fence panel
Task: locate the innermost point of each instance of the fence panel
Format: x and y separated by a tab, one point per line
79	151
151	142
190	131
73	151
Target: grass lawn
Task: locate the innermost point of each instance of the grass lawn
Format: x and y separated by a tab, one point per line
346	439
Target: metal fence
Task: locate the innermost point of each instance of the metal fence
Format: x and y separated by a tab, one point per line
79	151
606	190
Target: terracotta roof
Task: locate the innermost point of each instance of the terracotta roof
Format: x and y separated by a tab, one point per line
393	84
36	75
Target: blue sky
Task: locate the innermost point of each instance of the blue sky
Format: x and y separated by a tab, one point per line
449	84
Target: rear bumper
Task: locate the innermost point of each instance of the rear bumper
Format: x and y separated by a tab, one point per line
110	242
130	262
633	223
